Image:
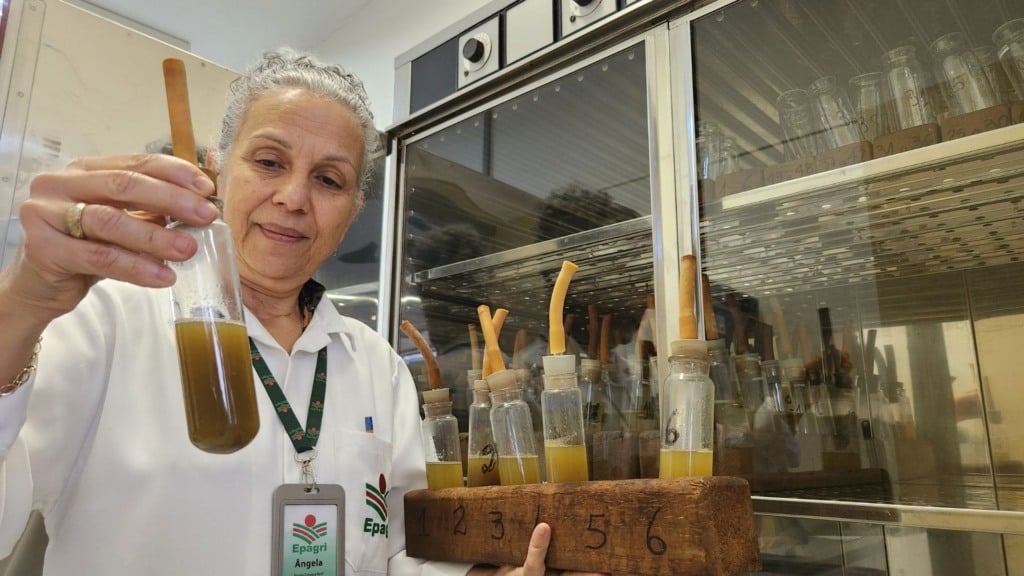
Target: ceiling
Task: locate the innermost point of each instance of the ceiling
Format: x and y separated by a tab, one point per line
233	33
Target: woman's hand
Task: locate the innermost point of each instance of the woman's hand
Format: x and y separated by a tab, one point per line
78	228
535	555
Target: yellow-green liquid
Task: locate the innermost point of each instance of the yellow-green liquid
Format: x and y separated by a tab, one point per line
519	470
566	463
683	463
483	471
216	379
444	475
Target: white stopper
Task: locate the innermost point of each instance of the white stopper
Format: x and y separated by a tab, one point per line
689	348
560	364
502	380
435	396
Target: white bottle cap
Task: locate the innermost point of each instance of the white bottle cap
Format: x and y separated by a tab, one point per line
718	344
435	396
502	380
560	364
689	348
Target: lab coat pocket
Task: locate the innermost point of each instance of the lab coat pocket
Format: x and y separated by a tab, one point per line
364	466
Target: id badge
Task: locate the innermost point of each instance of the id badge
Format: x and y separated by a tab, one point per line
309	530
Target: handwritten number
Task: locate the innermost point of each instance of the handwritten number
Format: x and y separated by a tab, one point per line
499	526
655	544
423	522
591	528
460	520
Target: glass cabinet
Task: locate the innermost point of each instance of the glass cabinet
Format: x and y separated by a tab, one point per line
847	173
855	169
494	200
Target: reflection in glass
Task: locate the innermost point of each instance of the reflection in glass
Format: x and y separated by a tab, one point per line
493	201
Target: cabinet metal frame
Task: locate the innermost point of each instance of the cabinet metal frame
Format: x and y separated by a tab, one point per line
661	145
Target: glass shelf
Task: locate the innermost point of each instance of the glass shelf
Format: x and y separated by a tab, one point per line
950	206
615	269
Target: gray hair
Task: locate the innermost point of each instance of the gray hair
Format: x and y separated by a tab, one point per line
288	68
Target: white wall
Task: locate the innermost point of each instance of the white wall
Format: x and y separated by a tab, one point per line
368	42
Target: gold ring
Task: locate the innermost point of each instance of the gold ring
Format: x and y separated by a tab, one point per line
73	221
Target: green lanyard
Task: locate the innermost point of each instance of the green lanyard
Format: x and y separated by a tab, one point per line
303	440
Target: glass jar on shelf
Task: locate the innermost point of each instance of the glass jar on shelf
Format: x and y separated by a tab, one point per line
996	74
775	423
869	104
734	440
965	80
751	381
835	115
1009	42
799	130
709	150
908	88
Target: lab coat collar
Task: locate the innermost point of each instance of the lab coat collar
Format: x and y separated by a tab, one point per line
326	325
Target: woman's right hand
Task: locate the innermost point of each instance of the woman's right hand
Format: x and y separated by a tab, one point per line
54	270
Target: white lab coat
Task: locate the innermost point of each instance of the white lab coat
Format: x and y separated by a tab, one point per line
105	453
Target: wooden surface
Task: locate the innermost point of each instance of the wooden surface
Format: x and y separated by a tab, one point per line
843	156
643	527
739	182
975	122
789	170
909	139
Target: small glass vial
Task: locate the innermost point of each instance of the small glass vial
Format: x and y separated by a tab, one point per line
908	88
779	393
734	440
709	144
482	460
565	449
213	344
688	437
641	410
965	80
441	441
751	382
512	425
615	398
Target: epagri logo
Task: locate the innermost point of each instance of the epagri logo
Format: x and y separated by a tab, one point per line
377	501
308	532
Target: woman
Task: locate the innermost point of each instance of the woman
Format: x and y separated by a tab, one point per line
95	436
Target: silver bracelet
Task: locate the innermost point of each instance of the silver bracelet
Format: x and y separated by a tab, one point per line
25	373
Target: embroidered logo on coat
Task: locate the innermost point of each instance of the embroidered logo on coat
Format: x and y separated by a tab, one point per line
377	501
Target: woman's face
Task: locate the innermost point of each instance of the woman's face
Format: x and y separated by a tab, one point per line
290	187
